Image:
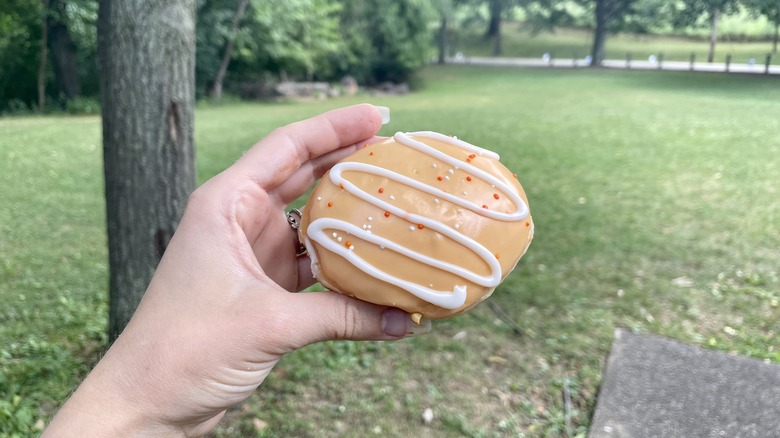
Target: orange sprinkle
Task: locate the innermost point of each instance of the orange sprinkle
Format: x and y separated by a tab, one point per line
484	206
527	224
341	186
420	226
381	190
439	178
330	204
473	156
387	214
371	153
347	243
468	160
495	196
514	175
498	256
468	178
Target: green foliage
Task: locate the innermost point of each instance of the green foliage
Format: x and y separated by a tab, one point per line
20	35
20	50
374	41
387	40
769	8
301	34
83	105
33	370
700	12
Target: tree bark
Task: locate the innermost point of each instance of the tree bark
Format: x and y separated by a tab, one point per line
63	51
494	25
443	39
715	18
146	50
600	34
497	49
216	92
44	57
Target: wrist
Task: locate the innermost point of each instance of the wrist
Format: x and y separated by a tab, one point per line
106	404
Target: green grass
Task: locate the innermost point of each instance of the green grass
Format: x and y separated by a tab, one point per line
654	196
568	43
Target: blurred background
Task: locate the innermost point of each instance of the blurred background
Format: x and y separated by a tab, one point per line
654	193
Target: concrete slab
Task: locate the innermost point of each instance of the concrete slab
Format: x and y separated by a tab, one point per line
657	387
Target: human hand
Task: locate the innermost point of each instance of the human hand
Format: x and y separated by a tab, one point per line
219	314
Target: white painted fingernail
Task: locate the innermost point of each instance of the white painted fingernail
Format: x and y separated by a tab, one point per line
385	112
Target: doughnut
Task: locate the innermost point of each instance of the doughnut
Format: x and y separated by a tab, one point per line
422	221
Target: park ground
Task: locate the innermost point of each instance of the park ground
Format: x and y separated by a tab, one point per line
654	197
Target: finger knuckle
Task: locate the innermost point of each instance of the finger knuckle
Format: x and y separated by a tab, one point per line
348	322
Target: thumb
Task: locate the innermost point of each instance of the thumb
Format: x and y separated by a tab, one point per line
325	316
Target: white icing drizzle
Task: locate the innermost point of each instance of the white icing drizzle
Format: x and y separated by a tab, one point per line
446	299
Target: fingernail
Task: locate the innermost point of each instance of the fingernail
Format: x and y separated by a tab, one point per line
385	112
397	323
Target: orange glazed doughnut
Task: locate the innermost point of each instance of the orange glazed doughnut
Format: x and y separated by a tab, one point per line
421	221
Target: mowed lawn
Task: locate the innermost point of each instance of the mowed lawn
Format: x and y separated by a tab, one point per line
655	198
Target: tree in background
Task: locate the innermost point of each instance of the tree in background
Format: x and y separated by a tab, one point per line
498	10
47	52
445	9
63	49
493	32
690	12
147	61
608	16
386	40
300	34
20	53
295	39
771	10
44	57
216	91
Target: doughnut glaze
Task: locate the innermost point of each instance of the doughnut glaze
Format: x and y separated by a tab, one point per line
421	221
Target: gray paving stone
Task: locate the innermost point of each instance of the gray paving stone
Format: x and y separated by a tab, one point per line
657	387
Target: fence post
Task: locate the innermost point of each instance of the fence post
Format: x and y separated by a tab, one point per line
768	61
628	60
574	59
693	59
728	62
660	60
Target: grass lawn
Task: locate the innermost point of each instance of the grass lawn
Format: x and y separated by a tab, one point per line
655	200
567	43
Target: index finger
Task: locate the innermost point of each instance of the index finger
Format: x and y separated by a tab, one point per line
275	158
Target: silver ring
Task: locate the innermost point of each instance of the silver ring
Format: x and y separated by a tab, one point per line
294	219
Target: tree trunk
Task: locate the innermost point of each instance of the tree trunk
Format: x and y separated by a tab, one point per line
146	50
600	34
713	34
44	57
497	50
494	25
443	39
216	92
63	51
